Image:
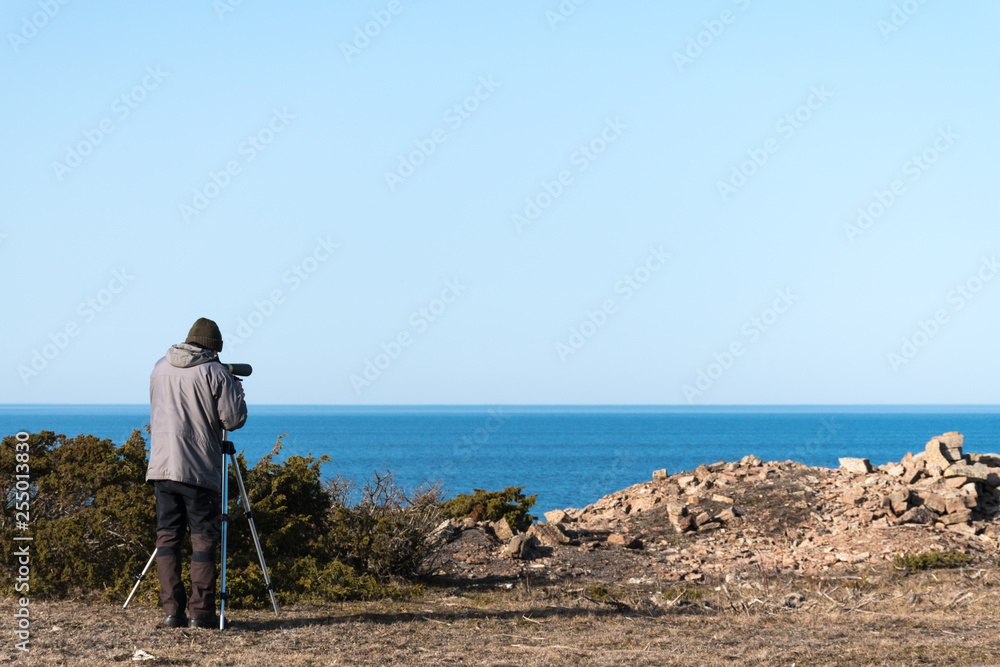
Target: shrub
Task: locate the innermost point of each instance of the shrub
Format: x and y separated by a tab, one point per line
482	505
930	560
93	520
91	516
380	528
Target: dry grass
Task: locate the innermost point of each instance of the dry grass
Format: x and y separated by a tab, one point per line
943	617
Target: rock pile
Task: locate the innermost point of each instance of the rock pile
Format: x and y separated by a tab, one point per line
750	515
940	485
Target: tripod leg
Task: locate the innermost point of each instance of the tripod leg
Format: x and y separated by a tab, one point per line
253	532
149	564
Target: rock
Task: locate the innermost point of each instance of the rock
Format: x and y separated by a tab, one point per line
468	523
702	519
556	516
676	510
444	533
521	547
686	480
897	470
708	526
659	475
751	461
685	523
900	501
955	504
955	482
627	541
548	535
793	600
962	516
856	466
726	515
952	440
502	529
910	474
942	451
964	529
933	501
853	496
917	515
975	472
722	499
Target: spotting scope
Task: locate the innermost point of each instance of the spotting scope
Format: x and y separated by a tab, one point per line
239	369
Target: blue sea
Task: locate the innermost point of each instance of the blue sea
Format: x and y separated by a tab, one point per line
569	456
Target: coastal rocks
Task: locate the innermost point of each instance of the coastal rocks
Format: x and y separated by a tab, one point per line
659	475
856	466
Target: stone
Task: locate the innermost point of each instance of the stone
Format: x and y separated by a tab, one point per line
853	496
900	501
952	440
702	519
974	471
856	466
932	501
897	470
547	534
955	504
685	523
659	475
708	526
556	516
964	529
751	461
627	541
726	515
468	523
444	533
676	510
723	499
918	515
686	480
910	474
515	547
942	451
955	482
963	516
502	529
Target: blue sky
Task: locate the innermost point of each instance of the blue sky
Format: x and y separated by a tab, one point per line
645	202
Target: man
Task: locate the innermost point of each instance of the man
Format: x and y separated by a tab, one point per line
192	398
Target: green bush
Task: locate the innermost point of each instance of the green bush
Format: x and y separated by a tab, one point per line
91	516
482	505
93	520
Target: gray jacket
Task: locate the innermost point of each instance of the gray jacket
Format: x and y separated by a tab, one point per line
192	398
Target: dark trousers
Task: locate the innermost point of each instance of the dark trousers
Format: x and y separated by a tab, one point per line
178	506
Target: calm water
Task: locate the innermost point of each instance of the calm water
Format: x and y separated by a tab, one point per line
568	456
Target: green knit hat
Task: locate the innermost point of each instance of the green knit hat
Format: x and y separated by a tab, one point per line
205	332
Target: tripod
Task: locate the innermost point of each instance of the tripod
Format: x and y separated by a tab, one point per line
228	450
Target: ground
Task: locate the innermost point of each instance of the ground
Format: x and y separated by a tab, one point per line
747	563
932	617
